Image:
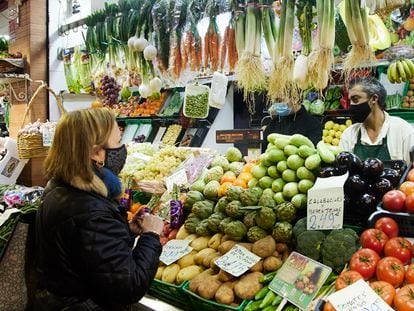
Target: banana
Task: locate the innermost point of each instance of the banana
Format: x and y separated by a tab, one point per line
401	71
410	65
389	74
394	72
408	72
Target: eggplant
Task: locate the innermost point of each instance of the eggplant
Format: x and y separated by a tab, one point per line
367	204
355	186
392	175
398	165
382	186
349	160
372	168
340	170
327	171
356	164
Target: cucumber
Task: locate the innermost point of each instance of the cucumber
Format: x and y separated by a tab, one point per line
335	149
262	293
290	150
300	140
312	162
272	138
253	306
281	143
306	151
268	299
325	153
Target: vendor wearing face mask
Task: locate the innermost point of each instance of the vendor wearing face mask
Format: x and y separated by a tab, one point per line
375	134
289	119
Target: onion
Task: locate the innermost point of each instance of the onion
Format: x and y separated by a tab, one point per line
144	90
131	43
140	44
150	52
155	84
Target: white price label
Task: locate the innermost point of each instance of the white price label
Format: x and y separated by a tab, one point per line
326	203
237	261
47	139
358	297
174	250
179	178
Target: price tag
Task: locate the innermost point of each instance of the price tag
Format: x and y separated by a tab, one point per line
47	138
358	297
299	279
179	178
174	250
326	203
237	261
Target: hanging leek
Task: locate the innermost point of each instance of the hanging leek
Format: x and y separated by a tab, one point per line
321	59
250	71
269	25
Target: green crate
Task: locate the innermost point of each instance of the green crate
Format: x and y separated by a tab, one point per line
200	304
406	114
170	293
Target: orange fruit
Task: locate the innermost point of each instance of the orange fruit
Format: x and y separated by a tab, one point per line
246	176
240	182
248	167
407	187
135	208
410	176
227	178
223	188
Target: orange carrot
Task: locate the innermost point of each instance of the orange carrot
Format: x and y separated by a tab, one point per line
193	54
178	63
232	50
206	49
215	47
224	46
198	50
184	55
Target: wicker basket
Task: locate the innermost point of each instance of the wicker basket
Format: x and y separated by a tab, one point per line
11	65
31	145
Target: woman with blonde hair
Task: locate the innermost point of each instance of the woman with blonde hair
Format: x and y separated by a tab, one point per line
86	255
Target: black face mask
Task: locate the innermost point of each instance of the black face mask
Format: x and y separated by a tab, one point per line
360	112
115	159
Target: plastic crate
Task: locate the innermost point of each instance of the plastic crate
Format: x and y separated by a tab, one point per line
405	221
200	304
170	293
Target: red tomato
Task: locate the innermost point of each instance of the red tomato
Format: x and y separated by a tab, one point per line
400	248
409	274
404	299
387	225
374	239
385	290
347	278
365	262
394	200
410	176
409	203
391	270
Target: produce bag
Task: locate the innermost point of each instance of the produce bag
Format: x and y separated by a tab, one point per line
218	91
196	101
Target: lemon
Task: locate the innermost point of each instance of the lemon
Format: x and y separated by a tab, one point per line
348	123
335	141
329	125
327	139
336	127
325	133
338	134
332	133
342	127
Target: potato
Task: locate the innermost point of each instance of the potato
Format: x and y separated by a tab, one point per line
257	267
197	280
208	288
248	285
170	273
215	241
191	237
224	276
272	263
225	294
281	247
160	270
209	257
200	243
226	246
247	246
187	260
182	233
224	238
213	262
199	258
188	273
264	247
276	254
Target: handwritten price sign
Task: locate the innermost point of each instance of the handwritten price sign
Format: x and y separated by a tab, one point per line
237	261
174	250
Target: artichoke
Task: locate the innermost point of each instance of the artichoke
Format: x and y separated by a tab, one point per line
202	228
249	197
236	230
214	221
211	190
224	223
265	218
286	211
192	197
249	219
191	223
221	205
220	161
255	234
233	193
233	210
282	232
199	186
214	173
202	209
267	200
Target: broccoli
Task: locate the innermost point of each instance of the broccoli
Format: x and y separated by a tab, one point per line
338	247
299	227
309	243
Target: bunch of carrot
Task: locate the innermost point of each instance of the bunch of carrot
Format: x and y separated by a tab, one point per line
228	48
191	49
212	46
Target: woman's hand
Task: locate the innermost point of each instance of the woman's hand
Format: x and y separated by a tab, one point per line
146	223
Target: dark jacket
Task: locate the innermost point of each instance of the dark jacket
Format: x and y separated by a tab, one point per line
300	123
85	250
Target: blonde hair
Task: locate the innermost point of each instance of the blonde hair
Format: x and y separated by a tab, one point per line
76	134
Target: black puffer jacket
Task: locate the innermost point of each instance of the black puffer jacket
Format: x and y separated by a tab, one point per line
85	250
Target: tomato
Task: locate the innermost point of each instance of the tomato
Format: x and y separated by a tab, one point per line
407	187
400	248
409	203
404	299
385	290
409	274
365	262
374	239
347	278
410	175
391	270
394	200
387	225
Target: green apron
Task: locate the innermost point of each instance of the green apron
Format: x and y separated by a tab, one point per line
368	151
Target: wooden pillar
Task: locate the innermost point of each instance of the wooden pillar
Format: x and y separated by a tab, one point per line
31	41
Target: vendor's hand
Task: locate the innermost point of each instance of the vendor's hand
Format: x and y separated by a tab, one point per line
146	223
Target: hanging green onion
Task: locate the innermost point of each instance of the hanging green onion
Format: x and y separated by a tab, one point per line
269	25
